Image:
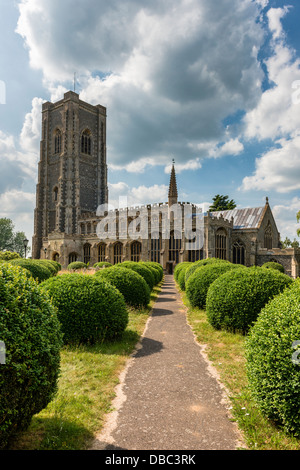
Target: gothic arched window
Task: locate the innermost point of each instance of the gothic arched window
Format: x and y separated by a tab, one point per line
135	249
57	142
101	252
72	257
174	247
87	253
155	247
238	253
118	250
268	242
86	142
220	244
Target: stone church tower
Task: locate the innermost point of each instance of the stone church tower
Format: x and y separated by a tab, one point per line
72	174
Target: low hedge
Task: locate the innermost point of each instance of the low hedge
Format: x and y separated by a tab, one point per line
158	267
141	269
199	282
273	265
132	285
273	364
102	264
236	298
204	262
181	276
76	265
31	332
39	271
9	255
89	309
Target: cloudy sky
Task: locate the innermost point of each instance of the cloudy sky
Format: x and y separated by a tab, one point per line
213	84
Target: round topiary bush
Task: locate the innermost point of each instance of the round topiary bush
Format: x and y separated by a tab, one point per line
179	267
273	265
9	255
181	276
154	270
199	282
132	285
48	264
30	330
89	309
204	262
236	298
38	270
102	264
273	361
76	265
141	269
158	268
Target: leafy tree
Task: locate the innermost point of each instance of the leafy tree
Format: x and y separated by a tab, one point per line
222	203
287	243
9	239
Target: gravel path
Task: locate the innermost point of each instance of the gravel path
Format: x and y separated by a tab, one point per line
169	397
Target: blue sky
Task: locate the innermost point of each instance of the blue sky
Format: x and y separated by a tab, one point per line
209	84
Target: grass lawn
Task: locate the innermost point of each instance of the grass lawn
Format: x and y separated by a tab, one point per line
226	352
89	375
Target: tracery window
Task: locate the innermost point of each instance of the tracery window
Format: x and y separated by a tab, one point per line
174	247
268	242
72	257
57	142
155	248
87	253
86	142
238	253
118	251
220	244
101	252
135	251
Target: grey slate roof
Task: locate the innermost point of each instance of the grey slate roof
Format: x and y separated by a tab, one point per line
242	218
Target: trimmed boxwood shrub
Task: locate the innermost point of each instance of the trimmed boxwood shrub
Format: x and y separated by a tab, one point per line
38	270
181	276
154	270
198	264
236	298
158	267
132	285
48	264
179	267
76	265
199	282
273	265
100	264
89	309
273	366
141	269
31	332
9	255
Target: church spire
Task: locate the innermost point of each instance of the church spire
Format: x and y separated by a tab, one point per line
173	194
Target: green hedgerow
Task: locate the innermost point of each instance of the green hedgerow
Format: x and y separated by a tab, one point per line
236	298
273	361
102	264
9	255
132	285
158	267
199	282
30	330
76	265
204	262
273	265
38	270
181	276
141	269
89	309
178	268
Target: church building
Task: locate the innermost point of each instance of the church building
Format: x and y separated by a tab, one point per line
73	221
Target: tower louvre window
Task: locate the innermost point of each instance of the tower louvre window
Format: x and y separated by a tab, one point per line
86	142
57	142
